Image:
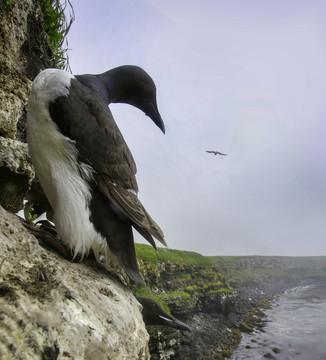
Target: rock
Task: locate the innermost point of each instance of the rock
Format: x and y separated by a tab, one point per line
15	88
246	327
269	356
16	173
51	308
24	51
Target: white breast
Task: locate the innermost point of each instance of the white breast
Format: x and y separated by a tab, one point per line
54	157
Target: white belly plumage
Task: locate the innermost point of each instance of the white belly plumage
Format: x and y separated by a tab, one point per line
54	158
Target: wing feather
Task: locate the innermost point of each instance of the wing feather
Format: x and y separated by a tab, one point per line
86	119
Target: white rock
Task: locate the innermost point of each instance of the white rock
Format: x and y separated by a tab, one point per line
50	306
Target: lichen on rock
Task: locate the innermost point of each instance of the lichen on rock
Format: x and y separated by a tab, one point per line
24	51
16	173
51	308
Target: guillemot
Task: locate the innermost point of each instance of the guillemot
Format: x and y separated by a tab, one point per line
83	163
154	314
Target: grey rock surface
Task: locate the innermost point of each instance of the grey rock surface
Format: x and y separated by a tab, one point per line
16	173
51	308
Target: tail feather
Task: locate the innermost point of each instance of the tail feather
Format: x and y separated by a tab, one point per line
129	203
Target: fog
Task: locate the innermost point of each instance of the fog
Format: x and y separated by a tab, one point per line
246	78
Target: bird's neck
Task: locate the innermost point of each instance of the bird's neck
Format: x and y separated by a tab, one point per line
113	83
106	84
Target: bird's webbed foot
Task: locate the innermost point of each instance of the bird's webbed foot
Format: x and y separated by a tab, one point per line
47	234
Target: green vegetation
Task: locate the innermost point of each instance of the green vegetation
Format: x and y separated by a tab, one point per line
208	274
148	253
31	215
179	297
57	27
239	276
8	4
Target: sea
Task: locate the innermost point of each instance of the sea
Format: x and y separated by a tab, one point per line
295	328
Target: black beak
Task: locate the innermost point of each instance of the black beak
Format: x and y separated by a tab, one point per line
173	322
156	117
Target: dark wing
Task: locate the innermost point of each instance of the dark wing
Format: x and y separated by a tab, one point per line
215	152
84	117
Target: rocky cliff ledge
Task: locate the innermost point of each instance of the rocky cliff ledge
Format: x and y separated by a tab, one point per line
51	308
54	309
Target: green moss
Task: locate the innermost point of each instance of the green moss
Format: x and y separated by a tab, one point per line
223	354
237	334
177	294
179	298
191	288
226	353
245	327
184	277
221	290
57	26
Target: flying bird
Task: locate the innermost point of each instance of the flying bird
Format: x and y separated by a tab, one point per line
83	163
154	314
215	152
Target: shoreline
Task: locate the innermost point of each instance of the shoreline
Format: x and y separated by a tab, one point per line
268	338
217	335
254	318
214	295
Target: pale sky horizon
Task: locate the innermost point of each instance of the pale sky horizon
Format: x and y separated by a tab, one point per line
247	78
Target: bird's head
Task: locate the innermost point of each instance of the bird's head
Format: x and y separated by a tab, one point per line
153	314
131	85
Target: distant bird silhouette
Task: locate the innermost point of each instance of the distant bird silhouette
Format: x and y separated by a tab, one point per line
215	152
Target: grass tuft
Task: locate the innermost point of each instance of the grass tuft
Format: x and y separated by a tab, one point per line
7	4
57	26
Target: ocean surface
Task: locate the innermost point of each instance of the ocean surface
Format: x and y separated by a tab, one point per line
295	328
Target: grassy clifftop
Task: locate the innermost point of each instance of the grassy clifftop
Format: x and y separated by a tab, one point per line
178	279
234	268
148	253
185	280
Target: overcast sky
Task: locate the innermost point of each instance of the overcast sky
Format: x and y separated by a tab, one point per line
247	78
